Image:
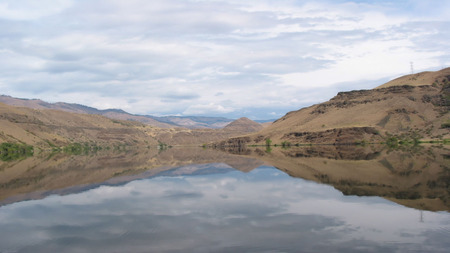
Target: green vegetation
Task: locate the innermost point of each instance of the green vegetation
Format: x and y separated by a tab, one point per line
285	144
361	143
13	151
81	149
268	142
406	139
163	146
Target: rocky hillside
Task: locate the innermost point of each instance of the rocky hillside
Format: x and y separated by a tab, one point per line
418	111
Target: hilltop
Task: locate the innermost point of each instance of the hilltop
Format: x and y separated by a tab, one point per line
244	125
419	79
418	111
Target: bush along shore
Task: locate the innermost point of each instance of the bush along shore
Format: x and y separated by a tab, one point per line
13	151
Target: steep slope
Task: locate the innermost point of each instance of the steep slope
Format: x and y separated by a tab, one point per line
243	125
48	128
369	115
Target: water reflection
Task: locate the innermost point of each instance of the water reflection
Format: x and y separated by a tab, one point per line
418	177
59	173
195	200
261	211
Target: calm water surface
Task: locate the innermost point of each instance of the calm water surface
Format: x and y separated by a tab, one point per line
212	207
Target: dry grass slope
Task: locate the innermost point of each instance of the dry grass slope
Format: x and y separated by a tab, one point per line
53	128
422	78
369	115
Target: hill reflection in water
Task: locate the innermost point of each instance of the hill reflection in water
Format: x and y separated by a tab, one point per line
196	200
417	177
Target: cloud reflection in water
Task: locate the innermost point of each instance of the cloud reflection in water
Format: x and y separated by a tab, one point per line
261	211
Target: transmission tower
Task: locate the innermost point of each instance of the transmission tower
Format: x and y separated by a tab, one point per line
412	67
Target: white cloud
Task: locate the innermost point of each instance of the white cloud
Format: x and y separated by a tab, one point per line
211	108
29	9
281	54
365	61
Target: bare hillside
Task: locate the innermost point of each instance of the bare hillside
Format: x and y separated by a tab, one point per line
48	128
366	115
56	128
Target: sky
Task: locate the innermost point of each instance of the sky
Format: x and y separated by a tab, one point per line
256	58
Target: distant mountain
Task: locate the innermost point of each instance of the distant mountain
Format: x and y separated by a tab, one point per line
244	125
261	121
413	110
191	122
195	121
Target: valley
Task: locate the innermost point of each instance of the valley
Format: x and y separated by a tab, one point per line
410	108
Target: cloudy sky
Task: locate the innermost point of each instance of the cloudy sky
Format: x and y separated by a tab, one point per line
232	58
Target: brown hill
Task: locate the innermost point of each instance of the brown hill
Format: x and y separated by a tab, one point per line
76	108
191	122
369	115
422	78
243	125
49	128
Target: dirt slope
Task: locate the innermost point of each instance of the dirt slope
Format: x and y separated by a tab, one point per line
49	128
367	115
